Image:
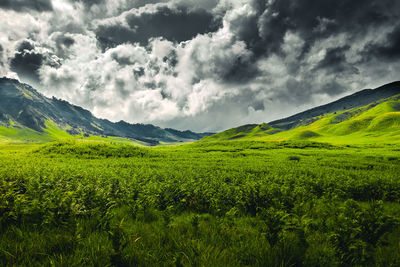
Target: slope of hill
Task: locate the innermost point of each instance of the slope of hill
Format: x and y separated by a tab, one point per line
27	115
366	116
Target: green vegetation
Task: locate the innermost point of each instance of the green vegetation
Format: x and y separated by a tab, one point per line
378	122
236	203
17	134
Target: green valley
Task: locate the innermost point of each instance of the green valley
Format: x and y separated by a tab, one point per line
213	133
236	203
320	188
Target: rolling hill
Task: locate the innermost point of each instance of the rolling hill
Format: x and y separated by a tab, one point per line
371	115
27	115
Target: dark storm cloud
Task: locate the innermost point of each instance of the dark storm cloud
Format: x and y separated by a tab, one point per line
172	23
25	45
312	19
264	29
334	58
335	62
389	49
26	5
27	61
1	55
242	70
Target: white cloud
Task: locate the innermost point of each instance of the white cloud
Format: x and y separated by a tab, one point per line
194	84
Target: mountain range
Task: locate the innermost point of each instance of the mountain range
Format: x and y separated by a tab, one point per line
27	115
370	115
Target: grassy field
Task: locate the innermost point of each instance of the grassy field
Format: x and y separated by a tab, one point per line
237	203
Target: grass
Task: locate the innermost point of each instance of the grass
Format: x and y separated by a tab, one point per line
233	203
17	134
375	123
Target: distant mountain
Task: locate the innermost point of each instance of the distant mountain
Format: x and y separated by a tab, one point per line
359	99
368	115
27	114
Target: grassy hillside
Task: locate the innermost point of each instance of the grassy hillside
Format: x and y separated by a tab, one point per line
27	113
356	100
378	122
80	203
15	133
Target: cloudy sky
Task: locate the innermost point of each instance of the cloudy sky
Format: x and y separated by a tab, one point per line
204	65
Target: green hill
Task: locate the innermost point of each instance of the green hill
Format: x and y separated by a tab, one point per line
28	116
378	121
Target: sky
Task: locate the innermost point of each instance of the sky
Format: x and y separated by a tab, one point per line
203	65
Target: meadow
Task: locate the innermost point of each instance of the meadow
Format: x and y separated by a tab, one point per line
236	203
